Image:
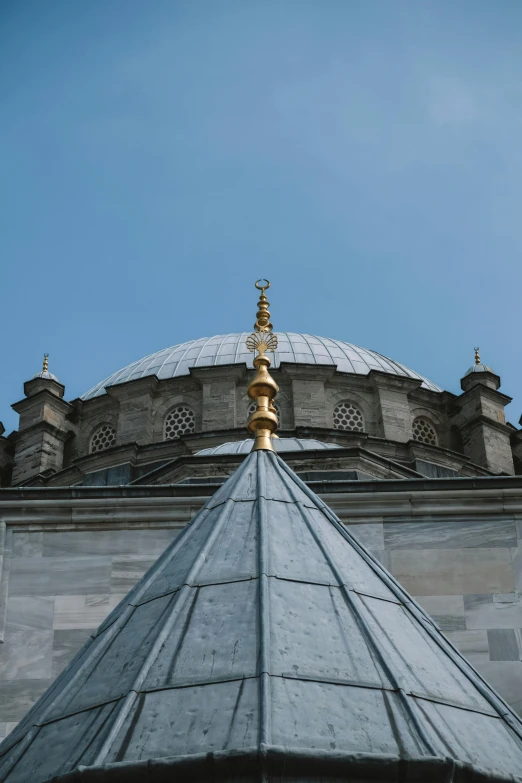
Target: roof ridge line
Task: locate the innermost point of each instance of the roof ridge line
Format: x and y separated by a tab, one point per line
172	610
265	727
370	639
415	609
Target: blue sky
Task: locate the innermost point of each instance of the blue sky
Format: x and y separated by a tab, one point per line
159	156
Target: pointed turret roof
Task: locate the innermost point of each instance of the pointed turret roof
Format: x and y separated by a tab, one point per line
266	641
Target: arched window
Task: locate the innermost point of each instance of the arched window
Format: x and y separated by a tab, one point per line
347	416
103	438
179	421
424	431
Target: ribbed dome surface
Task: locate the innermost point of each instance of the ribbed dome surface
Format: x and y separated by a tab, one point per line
280	445
231	349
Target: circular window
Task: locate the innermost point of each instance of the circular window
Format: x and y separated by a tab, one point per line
103	438
424	431
347	416
178	422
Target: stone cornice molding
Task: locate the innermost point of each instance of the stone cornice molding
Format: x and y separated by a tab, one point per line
43	395
384	380
164	505
234	373
189	444
485	391
135	388
480	418
474	379
55	388
50	429
307	372
322	459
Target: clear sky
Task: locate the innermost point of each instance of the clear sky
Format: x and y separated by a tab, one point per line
157	156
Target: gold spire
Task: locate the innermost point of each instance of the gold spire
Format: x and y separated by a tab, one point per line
477	356
263	421
45	366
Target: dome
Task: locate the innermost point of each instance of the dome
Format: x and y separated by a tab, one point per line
280	445
478	368
46	375
231	349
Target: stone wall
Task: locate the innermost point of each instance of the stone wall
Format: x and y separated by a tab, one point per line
67	562
56	435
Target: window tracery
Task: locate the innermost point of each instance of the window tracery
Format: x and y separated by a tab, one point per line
424	431
103	438
179	421
347	416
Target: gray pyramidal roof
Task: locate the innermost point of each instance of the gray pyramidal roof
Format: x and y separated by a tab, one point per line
266	644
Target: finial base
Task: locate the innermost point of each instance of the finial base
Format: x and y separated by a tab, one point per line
263	441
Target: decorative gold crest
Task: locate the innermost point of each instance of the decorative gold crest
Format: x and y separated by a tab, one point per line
261	341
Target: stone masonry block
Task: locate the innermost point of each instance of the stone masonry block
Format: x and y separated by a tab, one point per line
60	576
453	571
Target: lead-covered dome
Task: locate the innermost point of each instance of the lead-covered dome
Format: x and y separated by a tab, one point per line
280	445
231	349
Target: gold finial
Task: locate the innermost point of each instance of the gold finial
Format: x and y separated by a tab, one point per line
263	421
45	366
477	356
262	323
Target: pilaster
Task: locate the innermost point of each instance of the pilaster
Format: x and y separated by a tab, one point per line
219	395
309	392
135	399
393	414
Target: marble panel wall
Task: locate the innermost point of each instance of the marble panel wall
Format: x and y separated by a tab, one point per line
58	585
467	573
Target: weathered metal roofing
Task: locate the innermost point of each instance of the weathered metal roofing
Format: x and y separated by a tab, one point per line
222	349
266	641
281	445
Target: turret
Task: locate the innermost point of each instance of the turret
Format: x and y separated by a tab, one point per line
480	419
43	428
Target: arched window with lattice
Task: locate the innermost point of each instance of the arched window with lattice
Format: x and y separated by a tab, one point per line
102	438
348	416
179	421
424	431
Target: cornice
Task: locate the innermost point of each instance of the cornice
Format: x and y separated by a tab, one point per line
294	459
228	372
45	426
135	388
384	380
479	418
174	505
473	380
308	372
43	394
485	391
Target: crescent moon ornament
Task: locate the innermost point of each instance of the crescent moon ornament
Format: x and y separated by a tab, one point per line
262	288
262	323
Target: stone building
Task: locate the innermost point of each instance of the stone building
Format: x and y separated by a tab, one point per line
94	489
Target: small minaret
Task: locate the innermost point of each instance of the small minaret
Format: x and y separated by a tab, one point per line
263	421
43	427
481	420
